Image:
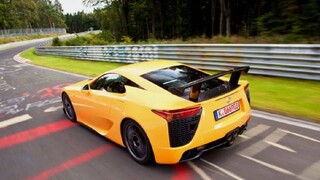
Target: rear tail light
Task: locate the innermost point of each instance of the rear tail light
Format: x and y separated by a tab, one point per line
246	89
171	115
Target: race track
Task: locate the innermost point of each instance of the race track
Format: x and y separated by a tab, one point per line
38	142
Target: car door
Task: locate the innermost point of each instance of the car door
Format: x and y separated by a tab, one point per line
95	110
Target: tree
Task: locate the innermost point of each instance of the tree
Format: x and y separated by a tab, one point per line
80	22
30	14
165	19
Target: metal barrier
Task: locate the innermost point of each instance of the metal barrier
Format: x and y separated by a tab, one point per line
23	32
295	61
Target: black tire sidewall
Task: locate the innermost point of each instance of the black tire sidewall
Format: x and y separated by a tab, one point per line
65	96
149	157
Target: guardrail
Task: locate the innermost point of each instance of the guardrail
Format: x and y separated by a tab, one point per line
22	32
295	61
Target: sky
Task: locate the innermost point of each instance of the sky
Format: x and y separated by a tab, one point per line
73	6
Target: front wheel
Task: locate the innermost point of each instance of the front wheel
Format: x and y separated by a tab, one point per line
137	142
68	108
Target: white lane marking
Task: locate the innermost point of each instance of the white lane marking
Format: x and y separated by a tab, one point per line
257	130
199	171
300	135
231	174
281	146
255	148
259	146
252	132
310	173
52	109
286	120
15	120
244	137
276	168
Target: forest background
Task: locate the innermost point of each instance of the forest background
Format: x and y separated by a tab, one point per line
143	20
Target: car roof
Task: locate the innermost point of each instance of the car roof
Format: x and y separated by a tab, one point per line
141	68
134	72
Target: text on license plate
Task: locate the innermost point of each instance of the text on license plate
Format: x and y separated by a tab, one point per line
225	111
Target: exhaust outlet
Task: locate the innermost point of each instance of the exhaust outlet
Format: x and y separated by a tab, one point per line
231	136
242	129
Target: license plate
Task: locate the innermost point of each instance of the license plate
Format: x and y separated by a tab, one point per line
227	110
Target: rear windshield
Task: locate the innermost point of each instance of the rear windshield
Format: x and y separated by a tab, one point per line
174	76
177	76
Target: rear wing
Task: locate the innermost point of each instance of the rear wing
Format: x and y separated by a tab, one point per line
196	85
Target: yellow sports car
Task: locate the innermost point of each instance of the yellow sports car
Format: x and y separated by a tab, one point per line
162	111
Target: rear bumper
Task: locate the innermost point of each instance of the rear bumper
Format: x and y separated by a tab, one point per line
202	142
197	152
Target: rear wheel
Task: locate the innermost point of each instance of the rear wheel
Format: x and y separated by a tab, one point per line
137	142
68	108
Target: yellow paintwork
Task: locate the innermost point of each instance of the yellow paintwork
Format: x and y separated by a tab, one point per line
104	111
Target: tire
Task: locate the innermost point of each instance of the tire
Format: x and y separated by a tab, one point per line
137	143
68	108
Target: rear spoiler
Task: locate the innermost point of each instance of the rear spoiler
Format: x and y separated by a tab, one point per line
196	85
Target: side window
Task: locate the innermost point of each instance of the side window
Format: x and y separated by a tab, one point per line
103	81
110	81
132	84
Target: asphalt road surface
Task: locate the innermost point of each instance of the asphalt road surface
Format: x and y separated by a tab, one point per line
38	142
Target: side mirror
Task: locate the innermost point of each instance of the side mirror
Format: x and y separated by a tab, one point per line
86	89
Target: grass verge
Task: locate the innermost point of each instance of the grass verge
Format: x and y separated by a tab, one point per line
290	97
89	68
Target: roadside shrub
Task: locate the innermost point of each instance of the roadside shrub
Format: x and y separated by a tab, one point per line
97	41
56	42
126	39
78	41
106	36
224	39
291	38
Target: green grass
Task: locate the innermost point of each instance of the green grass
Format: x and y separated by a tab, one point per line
89	68
291	97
